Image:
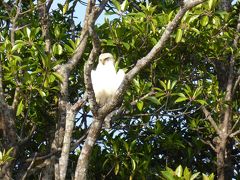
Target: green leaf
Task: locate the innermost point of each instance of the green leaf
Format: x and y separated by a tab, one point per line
211	4
9	151
168	85
20	108
195	30
65	7
186	173
116	4
194	176
17	46
46	83
179	171
57	32
179	35
168	175
126	45
173	84
216	21
204	20
153	100
41	92
116	169
211	176
68	48
205	177
133	143
57	49
140	105
28	33
163	85
202	102
181	95
126	145
180	99
133	164
124	5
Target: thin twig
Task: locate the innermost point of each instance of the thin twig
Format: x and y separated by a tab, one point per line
235	133
29	167
210	144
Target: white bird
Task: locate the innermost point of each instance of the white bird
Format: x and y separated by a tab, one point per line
105	79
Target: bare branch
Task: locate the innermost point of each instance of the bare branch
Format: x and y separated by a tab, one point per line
87	73
1	81
14	20
235	133
45	157
29	167
80	140
22	141
236	84
79	103
210	144
234	126
49	5
211	120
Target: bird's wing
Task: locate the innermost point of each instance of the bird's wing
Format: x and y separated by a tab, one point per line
94	80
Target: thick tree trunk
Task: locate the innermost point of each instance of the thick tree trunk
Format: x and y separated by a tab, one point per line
9	138
221	150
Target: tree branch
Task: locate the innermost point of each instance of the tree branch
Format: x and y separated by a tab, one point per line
235	133
211	120
210	144
30	166
63	161
236	84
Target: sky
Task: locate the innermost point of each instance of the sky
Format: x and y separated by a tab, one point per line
80	12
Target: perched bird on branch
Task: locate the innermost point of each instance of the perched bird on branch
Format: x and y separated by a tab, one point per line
105	79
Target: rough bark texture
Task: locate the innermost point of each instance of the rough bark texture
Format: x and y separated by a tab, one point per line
83	160
9	138
63	161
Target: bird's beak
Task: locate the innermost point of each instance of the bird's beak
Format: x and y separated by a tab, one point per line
102	61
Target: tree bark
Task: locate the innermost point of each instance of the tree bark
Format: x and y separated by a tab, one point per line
9	138
83	160
63	161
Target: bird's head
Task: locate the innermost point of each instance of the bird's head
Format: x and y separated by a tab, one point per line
106	57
